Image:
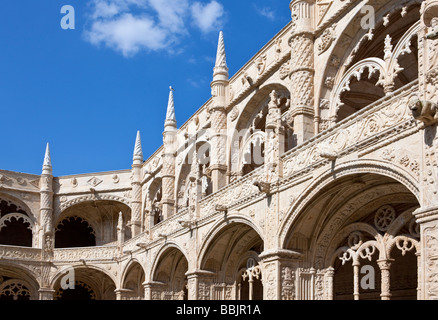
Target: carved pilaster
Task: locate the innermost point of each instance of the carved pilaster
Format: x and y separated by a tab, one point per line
199	284
153	290
279	281
46	294
427	219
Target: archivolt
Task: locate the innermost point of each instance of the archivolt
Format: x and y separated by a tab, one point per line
346	169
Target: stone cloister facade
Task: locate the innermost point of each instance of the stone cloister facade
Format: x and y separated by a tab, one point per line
311	174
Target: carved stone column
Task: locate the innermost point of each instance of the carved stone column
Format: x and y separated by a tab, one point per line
279	280
385	267
136	199
120	232
169	157
46	207
356	266
218	118
330	275
302	70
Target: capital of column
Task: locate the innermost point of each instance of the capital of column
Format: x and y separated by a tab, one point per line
46	293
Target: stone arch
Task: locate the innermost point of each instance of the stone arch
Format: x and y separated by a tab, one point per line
153	201
351	45
22	207
185	169
94	282
18	226
15	232
26	280
251	119
342	170
169	269
132	279
350	219
224	253
98	216
168	245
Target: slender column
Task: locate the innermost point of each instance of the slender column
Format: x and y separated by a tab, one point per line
218	116
330	274
275	140
251	287
120	232
46	207
356	280
136	187
385	266
302	70
169	156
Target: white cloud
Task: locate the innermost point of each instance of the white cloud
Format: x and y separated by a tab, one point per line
130	26
128	34
171	13
207	17
265	12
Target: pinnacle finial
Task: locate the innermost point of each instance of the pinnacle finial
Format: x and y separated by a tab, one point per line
47	164
138	151
170	116
221	58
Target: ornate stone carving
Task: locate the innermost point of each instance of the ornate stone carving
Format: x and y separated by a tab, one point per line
327	39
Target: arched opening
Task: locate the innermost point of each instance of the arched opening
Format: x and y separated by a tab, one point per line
247	149
74	232
91	223
16	284
16	231
133	283
171	272
393	42
81	292
157	209
233	257
253	154
404	279
249	284
89	284
346	231
15	225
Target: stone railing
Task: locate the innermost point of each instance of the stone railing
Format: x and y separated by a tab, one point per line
20	253
367	127
131	244
88	253
169	226
238	192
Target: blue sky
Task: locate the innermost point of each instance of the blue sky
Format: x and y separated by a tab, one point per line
87	91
